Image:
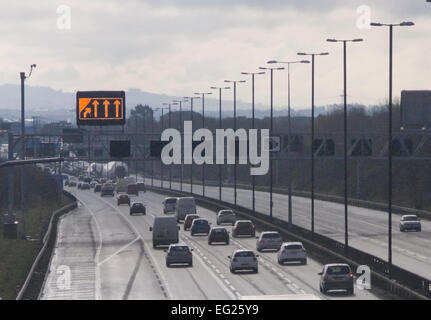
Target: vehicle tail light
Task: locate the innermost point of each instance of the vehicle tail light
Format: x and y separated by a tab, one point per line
261	241
351	275
283	251
325	277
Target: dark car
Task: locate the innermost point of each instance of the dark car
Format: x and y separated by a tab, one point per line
141	186
218	235
138	207
123	199
243	228
107	189
85	186
179	254
336	277
200	226
72	184
188	221
97	188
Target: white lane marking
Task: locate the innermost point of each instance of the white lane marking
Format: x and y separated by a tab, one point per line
119	251
147	249
99	249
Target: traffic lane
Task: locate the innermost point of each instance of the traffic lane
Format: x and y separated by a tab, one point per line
368	233
182	282
273	278
123	272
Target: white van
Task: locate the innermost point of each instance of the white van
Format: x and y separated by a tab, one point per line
185	206
169	205
165	231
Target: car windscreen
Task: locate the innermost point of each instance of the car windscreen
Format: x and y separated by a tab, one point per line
338	270
244	254
410	218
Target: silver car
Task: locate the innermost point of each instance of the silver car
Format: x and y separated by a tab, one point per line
226	216
179	254
410	222
243	260
292	251
269	240
337	276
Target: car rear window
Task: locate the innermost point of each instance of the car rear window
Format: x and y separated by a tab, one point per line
271	236
226	212
338	270
180	248
170	201
244	254
201	222
219	230
410	218
244	224
293	247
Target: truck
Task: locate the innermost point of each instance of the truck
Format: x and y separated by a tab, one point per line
165	231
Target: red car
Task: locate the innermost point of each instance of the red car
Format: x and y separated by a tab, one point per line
189	220
123	199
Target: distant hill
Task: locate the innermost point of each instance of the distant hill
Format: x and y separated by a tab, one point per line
50	104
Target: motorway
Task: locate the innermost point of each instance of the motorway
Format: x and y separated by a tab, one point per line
109	255
368	229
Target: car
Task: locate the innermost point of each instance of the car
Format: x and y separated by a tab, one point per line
179	254
243	260
243	228
138	207
87	179
188	221
107	189
292	251
337	276
123	199
93	184
269	240
226	216
85	186
79	185
97	187
218	235
72	183
66	183
169	205
103	180
410	222
200	226
141	186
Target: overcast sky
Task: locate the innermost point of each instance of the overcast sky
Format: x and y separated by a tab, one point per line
181	47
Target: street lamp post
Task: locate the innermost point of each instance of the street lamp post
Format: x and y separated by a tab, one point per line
220	126
312	130
271	127
234	129
253	178
346	221
191	118
203	94
391	28
180	102
23	204
289	129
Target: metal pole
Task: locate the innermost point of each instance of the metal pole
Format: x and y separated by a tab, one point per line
152	160
346	221
170	167
253	125
220	166
312	146
10	216
182	138
161	163
191	167
234	129
203	126
270	159
390	154
23	207
289	165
